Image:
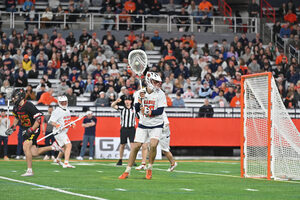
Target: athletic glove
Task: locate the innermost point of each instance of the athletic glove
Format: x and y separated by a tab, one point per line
147	111
28	132
10	130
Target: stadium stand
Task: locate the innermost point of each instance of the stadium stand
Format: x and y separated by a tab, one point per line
214	59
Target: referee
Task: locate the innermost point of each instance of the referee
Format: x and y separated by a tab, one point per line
127	123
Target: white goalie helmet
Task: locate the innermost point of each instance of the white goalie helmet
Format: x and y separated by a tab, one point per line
62	99
153	80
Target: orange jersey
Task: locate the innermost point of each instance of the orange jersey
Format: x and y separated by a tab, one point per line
205	5
279	59
129	6
235	102
167	57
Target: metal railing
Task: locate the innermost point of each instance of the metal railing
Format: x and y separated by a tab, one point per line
93	21
294	53
267	10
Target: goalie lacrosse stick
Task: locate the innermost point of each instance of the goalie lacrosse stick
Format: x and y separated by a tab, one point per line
8	92
137	60
65	126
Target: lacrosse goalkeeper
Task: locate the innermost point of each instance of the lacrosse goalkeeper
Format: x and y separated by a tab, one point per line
29	119
59	118
150	103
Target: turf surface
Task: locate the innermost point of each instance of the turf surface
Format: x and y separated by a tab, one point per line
191	180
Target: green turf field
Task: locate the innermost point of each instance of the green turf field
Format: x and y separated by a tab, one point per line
99	180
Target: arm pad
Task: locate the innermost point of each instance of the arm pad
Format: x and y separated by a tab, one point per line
137	107
158	111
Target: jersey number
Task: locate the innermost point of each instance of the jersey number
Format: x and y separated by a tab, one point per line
25	121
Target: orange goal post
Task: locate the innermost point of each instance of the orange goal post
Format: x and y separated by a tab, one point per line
270	142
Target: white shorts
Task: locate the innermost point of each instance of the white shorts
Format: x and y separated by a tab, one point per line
62	139
144	135
164	140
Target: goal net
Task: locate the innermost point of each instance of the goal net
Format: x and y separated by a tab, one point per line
270	146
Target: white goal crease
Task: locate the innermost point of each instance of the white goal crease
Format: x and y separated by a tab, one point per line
52	188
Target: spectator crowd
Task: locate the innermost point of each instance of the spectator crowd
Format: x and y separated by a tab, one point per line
90	64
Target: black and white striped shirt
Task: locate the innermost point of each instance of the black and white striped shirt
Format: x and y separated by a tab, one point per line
127	116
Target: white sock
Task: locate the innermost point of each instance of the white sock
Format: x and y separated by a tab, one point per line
128	169
29	170
66	162
149	166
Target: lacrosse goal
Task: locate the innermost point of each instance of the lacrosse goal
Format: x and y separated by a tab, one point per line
270	142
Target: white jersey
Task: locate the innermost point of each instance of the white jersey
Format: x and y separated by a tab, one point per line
61	117
153	101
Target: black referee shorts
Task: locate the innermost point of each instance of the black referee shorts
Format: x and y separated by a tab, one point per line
127	133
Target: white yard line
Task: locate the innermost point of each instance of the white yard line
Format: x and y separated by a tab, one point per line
252	190
52	188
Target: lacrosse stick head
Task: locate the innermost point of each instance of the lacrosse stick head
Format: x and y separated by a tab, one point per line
138	61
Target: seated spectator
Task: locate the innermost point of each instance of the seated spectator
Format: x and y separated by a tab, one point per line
149	46
289	101
192	9
47	98
206	110
290	17
156	39
62	87
188	94
178	101
130	6
47	16
204	19
82	6
230	93
89	86
30	94
26	63
108	21
40	91
59	41
77	89
285	31
220	100
205	6
124	20
205	91
59	15
169	58
8	61
155	8
72	98
181	70
170	8
27	6
74	75
281	58
33	73
102	100
10	5
21	80
72	18
254	67
178	86
236	100
183	22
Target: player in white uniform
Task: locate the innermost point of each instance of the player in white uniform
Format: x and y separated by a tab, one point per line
150	102
59	118
164	142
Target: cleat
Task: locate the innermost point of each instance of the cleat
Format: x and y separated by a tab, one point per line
141	167
52	158
124	175
56	147
91	158
24	157
67	165
119	163
58	161
28	173
172	167
148	174
46	157
79	158
17	157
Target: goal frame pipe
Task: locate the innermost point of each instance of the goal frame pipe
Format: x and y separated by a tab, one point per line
269	122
